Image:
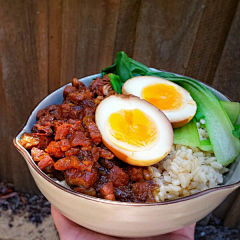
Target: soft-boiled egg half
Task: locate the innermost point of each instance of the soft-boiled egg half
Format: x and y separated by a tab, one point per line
167	96
137	132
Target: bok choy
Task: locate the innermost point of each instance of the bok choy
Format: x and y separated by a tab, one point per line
219	126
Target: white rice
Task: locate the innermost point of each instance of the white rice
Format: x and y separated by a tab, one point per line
187	170
63	183
203	134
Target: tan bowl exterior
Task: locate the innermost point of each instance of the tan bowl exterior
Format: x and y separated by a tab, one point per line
117	218
128	220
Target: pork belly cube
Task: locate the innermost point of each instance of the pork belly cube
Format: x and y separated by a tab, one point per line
118	176
81	178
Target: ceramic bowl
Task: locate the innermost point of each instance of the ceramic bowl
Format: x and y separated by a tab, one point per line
124	219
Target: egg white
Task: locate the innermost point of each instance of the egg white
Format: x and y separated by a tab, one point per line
147	156
177	117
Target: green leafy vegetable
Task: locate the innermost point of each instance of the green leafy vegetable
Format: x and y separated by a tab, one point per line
187	134
225	146
110	69
123	67
236	131
199	115
232	109
205	145
115	82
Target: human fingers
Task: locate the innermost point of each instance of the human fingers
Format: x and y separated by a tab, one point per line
69	230
63	224
186	233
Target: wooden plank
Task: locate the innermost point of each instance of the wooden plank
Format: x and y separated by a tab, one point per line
126	27
55	44
227	81
227	75
24	78
89	29
70	15
212	33
232	219
222	210
40	23
5	163
166	32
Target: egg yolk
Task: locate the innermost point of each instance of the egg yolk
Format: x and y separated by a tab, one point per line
163	96
133	127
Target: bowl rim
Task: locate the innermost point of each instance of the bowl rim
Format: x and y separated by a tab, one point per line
30	161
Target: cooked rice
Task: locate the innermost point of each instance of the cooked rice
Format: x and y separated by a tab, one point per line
187	170
63	183
203	134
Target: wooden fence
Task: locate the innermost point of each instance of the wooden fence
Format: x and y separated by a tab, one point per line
45	43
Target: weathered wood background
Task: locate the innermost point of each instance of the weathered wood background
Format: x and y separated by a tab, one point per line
44	44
